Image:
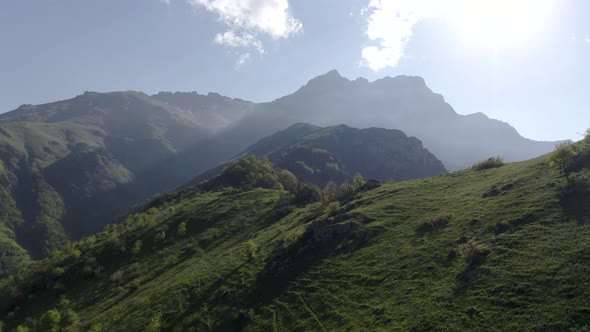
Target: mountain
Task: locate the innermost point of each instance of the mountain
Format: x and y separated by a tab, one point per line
503	248
70	167
404	103
337	153
217	111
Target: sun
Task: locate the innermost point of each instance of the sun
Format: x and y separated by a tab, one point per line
499	24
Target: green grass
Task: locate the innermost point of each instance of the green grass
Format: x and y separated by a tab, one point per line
511	254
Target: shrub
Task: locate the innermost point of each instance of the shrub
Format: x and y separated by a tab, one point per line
118	276
137	247
562	158
182	229
155	323
251	250
96	327
489	163
160	236
473	252
433	224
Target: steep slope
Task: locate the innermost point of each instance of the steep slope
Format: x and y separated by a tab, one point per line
403	103
497	249
68	168
217	111
320	155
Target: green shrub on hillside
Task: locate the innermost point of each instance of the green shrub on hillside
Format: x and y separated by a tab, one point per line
473	252
489	163
434	224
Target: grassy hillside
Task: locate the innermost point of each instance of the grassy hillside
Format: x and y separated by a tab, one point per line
504	248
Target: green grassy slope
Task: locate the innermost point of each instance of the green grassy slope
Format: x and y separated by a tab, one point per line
499	249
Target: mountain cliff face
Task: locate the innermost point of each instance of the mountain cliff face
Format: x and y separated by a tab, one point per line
403	103
68	168
320	155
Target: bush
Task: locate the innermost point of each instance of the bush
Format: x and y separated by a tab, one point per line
182	229
489	163
473	252
160	236
250	250
155	323
118	276
137	247
433	224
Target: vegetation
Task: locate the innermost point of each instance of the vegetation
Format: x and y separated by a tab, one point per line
422	255
563	158
492	162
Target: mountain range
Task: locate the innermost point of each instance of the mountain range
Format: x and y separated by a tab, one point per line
69	168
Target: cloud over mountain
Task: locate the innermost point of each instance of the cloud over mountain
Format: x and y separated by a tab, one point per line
247	20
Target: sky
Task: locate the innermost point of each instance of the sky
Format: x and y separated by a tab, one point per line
525	62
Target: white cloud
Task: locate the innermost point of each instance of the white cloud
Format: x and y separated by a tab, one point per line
247	19
587	40
245	40
167	2
390	26
243	59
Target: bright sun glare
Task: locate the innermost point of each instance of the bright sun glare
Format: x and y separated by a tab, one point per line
500	23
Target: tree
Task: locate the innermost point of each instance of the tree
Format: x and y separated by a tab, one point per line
562	158
50	321
345	189
330	192
358	181
70	321
288	180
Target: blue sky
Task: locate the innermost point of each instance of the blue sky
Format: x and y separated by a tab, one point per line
515	61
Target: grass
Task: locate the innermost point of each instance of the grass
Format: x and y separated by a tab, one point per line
365	266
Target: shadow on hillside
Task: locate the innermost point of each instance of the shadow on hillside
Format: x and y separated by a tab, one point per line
575	200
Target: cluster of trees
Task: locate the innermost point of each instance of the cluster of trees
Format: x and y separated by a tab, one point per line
61	318
254	172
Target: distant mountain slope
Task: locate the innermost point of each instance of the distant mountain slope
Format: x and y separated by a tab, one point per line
217	111
503	249
337	153
68	168
403	103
